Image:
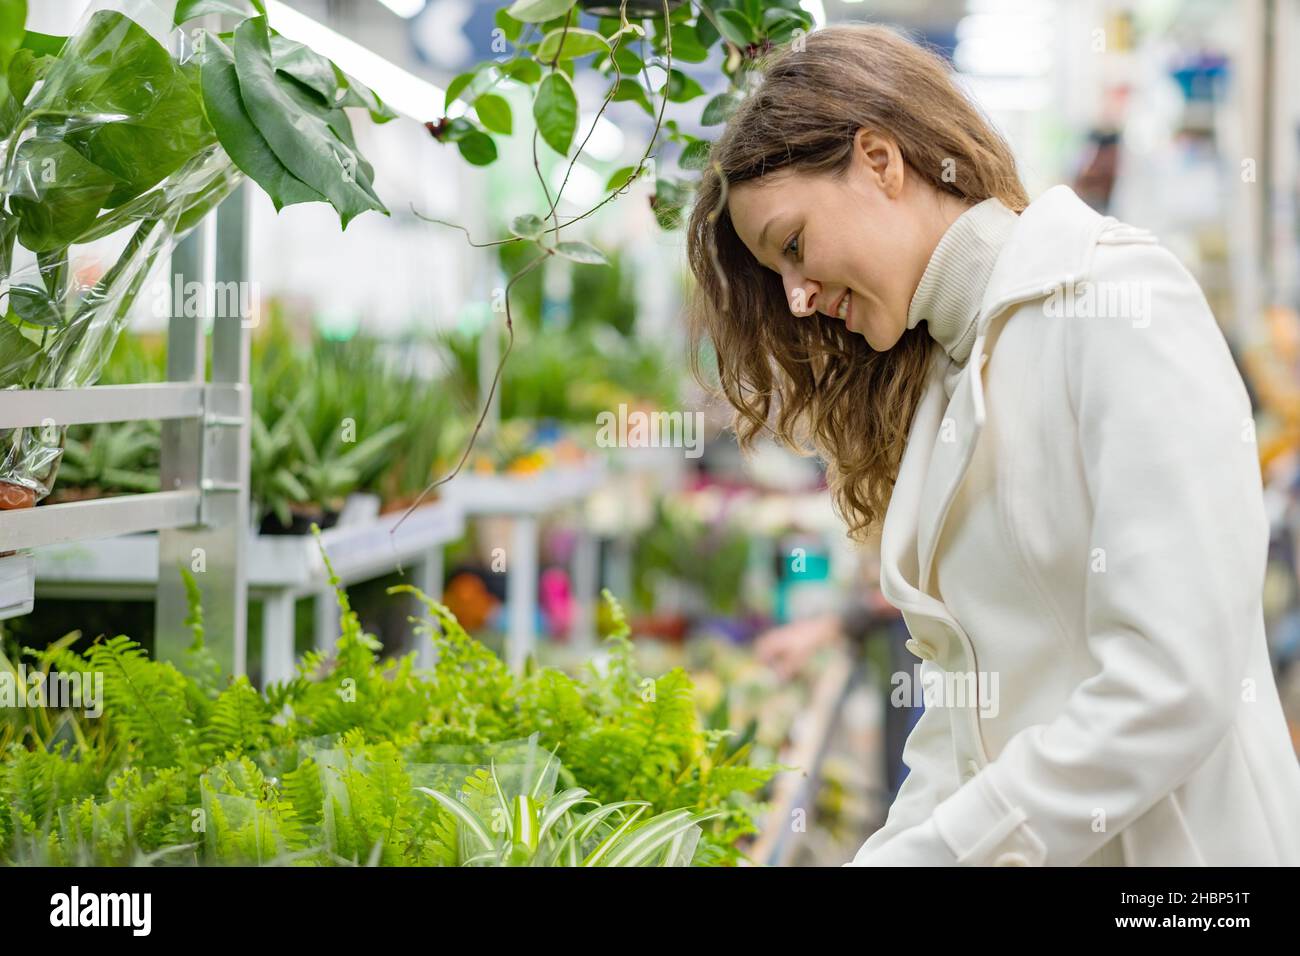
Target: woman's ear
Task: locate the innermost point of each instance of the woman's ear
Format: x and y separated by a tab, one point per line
880	159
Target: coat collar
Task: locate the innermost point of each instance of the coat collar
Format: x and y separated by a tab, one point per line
1051	247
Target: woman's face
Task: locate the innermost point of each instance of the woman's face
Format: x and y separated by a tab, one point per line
860	241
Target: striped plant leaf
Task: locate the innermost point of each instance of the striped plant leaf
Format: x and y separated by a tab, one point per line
503	803
586	824
535	793
597	856
640	845
558	806
525	829
463	814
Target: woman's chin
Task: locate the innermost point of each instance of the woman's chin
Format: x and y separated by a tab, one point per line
880	341
877	342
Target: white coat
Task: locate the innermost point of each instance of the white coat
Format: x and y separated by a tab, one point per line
1077	539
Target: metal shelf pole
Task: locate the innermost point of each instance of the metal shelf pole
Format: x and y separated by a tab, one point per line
212	452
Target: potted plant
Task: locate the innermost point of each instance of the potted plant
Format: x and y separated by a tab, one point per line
110	133
524	830
354	417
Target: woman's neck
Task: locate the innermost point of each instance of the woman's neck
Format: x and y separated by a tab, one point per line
952	287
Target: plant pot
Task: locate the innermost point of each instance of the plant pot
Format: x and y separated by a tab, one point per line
17	584
636	9
301	523
13	497
359	507
79	493
402	502
666	626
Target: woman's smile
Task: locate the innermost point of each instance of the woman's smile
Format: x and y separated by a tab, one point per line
845	309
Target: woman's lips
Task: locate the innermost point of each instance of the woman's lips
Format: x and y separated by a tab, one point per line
847	298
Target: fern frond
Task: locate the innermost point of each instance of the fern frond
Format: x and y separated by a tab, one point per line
240	720
146	698
302	788
200	664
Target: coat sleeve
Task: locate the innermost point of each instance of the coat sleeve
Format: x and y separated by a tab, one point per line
928	756
1174	577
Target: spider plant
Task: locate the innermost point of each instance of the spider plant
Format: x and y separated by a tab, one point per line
528	829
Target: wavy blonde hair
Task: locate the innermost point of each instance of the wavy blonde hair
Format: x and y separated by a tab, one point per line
831	392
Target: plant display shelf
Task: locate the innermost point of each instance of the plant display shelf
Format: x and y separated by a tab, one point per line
17	585
524	500
281	569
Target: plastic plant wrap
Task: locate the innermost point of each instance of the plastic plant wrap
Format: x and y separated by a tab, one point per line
118	141
75	321
509	814
491	804
110	148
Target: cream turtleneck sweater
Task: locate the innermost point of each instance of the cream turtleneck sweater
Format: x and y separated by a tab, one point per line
951	288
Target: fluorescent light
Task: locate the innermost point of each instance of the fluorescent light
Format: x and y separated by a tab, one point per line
1000	40
606	142
585	187
405	92
818	11
404	8
1015	8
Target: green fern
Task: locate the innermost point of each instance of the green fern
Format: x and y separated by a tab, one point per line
323	768
199	663
240	721
355	650
148	698
302	788
29	788
157	806
248	821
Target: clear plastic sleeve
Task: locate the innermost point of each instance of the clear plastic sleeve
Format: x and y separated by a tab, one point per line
109	160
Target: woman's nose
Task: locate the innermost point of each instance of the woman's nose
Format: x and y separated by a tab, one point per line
801	296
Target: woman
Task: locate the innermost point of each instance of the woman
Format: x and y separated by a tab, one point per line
1035	405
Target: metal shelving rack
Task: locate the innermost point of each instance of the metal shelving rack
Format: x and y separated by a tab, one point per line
202	510
281	570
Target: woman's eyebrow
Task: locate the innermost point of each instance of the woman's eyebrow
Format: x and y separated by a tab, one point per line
762	238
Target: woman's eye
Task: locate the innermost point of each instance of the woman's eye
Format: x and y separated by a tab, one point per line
794	241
